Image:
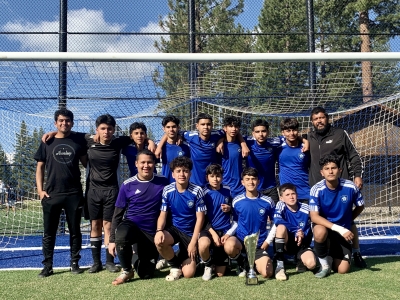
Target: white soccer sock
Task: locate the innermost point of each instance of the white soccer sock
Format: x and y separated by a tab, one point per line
323	261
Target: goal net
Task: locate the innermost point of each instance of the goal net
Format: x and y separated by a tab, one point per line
140	90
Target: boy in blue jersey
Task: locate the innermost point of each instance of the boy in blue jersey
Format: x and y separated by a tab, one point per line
331	211
135	219
202	144
232	160
171	150
184	201
219	229
293	161
251	211
293	231
138	133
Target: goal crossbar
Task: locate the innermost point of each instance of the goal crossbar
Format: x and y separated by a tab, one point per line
198	57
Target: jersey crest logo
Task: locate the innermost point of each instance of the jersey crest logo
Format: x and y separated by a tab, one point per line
190	203
226	200
301	224
212	145
261	211
180	153
239	149
137	191
269	149
344	199
301	155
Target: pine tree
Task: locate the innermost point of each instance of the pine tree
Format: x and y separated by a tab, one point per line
5	167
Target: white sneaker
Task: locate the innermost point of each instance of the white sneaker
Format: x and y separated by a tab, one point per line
161	264
207	273
174	274
241	272
280	274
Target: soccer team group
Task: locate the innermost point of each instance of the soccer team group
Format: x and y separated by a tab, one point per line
216	188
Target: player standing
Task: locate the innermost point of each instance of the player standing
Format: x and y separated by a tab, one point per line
184	201
135	219
332	213
60	156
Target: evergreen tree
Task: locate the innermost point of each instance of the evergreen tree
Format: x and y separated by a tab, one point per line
5	167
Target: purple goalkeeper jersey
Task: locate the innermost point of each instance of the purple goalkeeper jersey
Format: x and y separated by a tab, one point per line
142	201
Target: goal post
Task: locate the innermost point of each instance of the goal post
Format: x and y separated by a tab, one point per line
144	87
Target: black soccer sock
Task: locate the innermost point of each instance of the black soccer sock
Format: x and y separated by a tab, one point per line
279	248
124	252
174	262
208	262
95	245
321	249
241	260
109	257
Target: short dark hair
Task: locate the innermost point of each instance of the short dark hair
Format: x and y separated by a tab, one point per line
105	119
146	152
329	158
168	119
64	112
287	186
214	169
232	120
259	122
181	162
201	116
317	110
289	123
250	172
137	125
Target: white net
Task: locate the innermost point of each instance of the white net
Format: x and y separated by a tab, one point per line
145	92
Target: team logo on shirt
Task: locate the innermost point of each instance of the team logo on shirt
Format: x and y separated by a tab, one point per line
226	200
344	199
301	155
261	211
212	144
190	203
269	149
239	149
301	224
63	154
180	153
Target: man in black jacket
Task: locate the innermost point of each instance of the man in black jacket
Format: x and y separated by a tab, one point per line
326	139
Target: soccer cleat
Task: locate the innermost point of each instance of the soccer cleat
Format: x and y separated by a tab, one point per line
241	272
174	274
75	269
161	264
46	272
111	267
97	267
207	273
123	277
300	267
359	261
280	274
323	272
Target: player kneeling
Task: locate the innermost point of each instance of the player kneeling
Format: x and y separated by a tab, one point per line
293	232
184	201
332	213
218	234
251	211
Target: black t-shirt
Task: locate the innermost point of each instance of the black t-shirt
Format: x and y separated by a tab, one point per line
61	158
104	161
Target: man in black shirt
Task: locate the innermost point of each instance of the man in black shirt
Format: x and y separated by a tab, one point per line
60	156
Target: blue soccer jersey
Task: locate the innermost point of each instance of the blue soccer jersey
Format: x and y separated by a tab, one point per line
203	153
232	164
183	206
293	168
169	152
263	158
252	215
293	220
214	199
130	153
142	201
336	205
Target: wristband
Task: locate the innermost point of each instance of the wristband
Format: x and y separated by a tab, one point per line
339	229
159	230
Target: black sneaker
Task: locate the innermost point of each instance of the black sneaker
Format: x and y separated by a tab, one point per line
97	267
111	267
359	261
46	272
75	269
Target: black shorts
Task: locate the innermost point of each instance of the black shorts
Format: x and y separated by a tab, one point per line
101	203
293	249
259	252
129	233
272	193
183	239
339	248
220	258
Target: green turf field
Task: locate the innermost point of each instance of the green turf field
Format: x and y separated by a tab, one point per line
380	281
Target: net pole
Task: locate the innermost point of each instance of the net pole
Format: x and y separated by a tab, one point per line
192	49
311	47
62	45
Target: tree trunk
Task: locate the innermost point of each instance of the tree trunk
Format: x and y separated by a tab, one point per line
366	67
